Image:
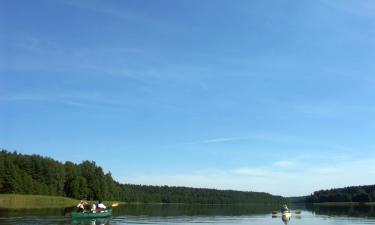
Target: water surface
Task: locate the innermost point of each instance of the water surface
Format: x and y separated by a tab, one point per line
198	214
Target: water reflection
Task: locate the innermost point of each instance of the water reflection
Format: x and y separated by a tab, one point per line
97	221
361	210
34	212
285	219
202	214
167	210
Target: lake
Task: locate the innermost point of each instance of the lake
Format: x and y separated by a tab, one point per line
198	214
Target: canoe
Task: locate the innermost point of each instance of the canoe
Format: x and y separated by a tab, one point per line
105	213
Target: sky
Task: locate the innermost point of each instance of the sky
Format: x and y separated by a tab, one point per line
271	96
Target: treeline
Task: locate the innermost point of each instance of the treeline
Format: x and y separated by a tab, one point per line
34	174
296	200
347	194
165	194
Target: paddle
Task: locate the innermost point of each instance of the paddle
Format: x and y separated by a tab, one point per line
115	204
274	213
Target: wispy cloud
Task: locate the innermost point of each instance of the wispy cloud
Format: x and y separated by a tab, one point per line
105	8
364	8
322	108
50	98
284	163
258	172
230	139
90	100
23	97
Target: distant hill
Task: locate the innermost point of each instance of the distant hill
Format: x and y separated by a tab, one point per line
38	175
348	194
301	199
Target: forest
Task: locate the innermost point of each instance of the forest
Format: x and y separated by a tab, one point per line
38	175
347	194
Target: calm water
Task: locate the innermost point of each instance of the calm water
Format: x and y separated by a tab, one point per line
182	214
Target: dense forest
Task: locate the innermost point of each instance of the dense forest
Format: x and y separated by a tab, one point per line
34	174
347	194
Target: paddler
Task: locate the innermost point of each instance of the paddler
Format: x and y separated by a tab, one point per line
284	208
81	206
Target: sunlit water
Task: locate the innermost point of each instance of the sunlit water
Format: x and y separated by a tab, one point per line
194	214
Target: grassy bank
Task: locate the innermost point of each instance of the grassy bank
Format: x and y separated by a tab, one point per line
16	201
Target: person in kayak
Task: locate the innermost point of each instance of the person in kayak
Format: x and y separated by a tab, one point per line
81	206
284	208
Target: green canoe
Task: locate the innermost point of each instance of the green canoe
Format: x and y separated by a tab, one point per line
105	213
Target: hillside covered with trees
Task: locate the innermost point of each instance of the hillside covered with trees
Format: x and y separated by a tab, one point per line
34	174
347	194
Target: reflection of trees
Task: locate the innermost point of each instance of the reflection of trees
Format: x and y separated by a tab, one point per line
34	212
192	210
360	210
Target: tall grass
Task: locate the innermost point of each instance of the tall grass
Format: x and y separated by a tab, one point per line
16	201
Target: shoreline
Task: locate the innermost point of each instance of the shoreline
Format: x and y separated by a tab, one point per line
21	201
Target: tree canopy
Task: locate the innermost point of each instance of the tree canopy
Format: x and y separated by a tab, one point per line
34	174
348	194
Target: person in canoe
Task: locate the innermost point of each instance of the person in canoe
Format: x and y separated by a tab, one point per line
101	206
81	206
93	208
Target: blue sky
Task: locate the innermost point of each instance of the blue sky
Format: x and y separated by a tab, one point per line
274	96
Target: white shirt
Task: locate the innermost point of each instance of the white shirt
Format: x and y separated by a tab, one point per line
101	206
